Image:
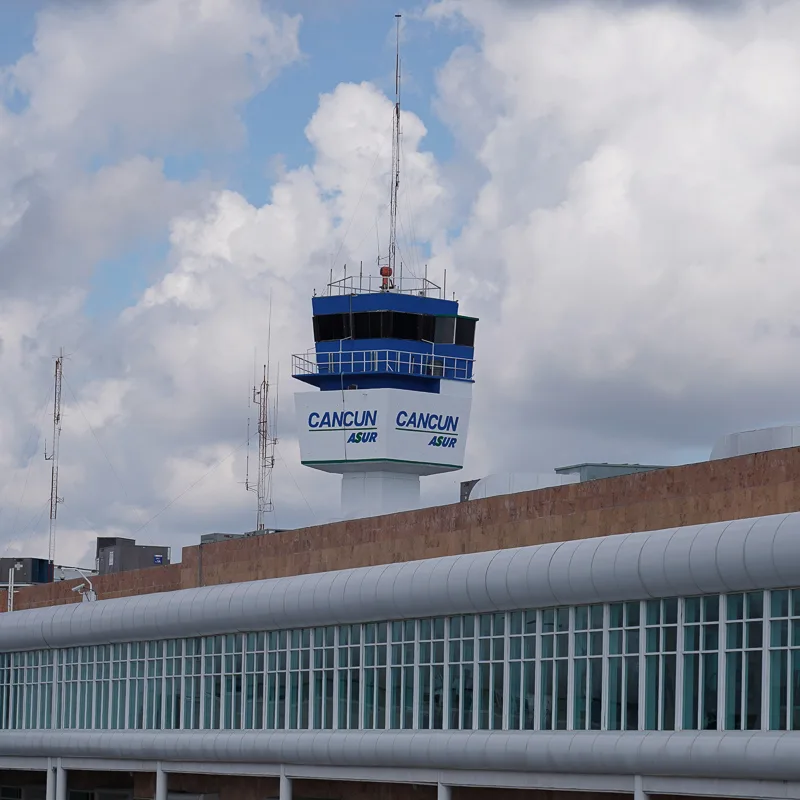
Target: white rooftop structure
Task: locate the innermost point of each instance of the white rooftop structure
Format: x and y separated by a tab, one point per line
512	482
756	441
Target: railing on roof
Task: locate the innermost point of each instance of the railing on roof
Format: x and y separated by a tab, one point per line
369	284
399	362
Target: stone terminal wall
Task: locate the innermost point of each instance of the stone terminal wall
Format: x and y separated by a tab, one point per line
746	486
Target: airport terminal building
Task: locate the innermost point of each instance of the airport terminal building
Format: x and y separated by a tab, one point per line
637	635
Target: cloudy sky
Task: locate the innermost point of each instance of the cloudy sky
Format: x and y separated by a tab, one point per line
612	186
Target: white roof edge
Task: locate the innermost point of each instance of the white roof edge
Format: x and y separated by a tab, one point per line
756	553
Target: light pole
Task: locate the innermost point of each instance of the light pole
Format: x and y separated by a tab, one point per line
88	596
11	574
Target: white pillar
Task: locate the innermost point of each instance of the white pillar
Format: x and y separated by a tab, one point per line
50	792
285	792
370	494
444	792
638	789
61	782
161	783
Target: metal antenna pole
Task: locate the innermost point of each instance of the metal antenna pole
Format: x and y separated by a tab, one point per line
54	498
266	452
267	439
395	158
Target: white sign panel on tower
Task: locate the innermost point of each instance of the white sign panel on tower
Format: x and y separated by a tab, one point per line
417	432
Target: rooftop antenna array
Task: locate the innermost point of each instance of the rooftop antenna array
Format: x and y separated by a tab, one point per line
267	440
55	500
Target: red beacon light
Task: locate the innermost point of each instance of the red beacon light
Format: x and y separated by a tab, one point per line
386	276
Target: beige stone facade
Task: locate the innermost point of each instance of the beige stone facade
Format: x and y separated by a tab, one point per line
735	488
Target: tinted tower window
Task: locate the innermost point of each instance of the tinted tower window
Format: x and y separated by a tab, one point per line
367	324
328	327
465	332
445	330
395	325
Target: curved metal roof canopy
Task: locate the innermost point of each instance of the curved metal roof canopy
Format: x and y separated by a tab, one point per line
733	754
757	553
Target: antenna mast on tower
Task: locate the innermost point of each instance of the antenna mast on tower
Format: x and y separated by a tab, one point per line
54	498
395	157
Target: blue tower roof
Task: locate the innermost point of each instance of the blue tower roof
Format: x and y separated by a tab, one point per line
394	338
384	301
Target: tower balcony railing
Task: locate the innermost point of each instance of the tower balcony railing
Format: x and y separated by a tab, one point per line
385	362
370	284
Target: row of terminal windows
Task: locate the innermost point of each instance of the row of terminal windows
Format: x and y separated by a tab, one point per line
395	325
728	662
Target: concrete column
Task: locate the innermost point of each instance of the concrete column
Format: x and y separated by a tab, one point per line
444	792
50	792
161	783
638	789
285	792
61	782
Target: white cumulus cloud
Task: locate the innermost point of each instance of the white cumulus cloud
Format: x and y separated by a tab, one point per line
619	214
634	241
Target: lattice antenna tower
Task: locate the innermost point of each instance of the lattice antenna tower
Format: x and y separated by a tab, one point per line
55	500
267	428
395	159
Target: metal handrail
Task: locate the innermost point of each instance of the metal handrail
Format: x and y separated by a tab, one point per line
400	362
369	284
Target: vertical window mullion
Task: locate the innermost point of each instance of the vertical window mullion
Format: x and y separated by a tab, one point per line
126	657
336	677
538	671
604	672
506	667
240	679
766	641
265	679
476	641
447	679
53	692
182	683
679	651
571	667
722	666
417	678
78	691
145	680
361	678
201	722
162	721
642	687
24	692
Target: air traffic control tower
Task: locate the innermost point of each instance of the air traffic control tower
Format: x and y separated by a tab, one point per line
393	363
392	369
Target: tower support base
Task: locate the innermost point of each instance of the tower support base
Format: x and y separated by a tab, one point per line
369	494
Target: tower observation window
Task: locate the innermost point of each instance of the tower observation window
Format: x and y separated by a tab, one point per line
395	325
328	327
367	325
445	332
465	331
